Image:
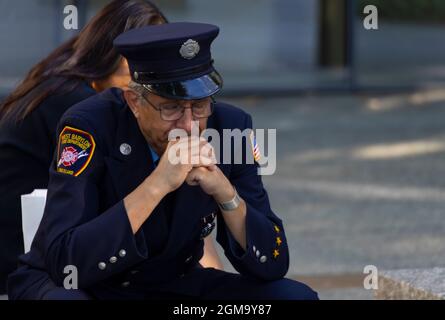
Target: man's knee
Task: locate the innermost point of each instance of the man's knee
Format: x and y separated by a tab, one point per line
287	289
282	289
59	293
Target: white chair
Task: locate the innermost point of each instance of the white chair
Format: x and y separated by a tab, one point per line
33	205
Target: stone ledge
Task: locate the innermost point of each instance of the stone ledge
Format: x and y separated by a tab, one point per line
412	284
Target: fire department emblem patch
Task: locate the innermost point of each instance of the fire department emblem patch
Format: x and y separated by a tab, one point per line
75	150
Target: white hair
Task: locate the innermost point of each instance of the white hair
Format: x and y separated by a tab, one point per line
137	88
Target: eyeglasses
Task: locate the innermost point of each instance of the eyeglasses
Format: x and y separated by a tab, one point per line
171	112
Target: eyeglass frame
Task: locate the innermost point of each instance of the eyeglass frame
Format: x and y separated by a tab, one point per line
212	103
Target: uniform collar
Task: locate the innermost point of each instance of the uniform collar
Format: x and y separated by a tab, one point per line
154	155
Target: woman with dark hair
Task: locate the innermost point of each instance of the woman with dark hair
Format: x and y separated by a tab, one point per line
77	69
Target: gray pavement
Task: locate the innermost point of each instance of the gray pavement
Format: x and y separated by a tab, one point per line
359	181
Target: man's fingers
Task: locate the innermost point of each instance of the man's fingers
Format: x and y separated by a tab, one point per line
207	150
191	182
194	177
205	162
179	151
193	150
198	147
212	167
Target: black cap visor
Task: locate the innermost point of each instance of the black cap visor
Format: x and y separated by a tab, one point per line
190	89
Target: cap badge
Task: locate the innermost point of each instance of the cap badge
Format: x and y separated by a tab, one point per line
189	49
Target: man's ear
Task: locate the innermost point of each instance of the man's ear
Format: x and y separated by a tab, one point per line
132	99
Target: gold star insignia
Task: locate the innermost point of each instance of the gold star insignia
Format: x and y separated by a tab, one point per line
279	241
276	253
277	229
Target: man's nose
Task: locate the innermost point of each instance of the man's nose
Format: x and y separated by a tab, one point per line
185	122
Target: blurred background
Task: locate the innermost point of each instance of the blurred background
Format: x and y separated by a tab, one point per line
359	115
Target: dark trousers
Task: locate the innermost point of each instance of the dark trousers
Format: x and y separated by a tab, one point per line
214	285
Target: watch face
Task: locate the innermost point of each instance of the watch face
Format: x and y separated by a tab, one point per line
207	230
208	224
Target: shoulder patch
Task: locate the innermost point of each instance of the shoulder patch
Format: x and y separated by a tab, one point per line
74	151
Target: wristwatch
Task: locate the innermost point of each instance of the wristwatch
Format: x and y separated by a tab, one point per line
232	204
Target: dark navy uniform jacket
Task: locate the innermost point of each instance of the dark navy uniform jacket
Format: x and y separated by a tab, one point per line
26	151
85	223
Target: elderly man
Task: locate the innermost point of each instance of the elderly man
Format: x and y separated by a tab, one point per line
130	221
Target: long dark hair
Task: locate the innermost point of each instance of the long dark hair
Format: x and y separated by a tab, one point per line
89	56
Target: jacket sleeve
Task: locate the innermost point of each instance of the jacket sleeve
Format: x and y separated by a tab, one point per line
266	256
77	232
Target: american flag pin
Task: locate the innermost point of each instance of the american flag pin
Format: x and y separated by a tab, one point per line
255	148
